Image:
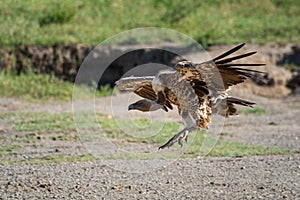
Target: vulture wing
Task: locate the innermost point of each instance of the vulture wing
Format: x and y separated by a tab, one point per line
142	86
219	73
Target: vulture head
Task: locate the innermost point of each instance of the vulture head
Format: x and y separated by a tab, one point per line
146	105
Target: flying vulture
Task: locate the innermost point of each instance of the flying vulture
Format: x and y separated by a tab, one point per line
197	89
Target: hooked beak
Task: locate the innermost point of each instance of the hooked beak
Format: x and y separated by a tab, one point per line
131	107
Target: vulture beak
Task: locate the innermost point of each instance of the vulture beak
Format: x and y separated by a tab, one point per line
131	107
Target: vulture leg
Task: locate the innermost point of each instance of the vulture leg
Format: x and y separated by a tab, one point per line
182	135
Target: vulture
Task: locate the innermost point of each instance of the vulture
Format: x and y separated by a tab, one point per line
197	89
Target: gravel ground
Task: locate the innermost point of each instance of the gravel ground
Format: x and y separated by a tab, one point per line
267	177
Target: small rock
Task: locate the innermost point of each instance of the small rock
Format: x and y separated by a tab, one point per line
261	187
272	123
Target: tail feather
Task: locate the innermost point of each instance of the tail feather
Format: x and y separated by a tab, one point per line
231	101
226	106
238	101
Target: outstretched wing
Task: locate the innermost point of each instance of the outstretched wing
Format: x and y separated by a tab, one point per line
219	72
142	86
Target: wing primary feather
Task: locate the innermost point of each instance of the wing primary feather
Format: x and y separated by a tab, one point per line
248	70
242	64
229	52
242	69
227	60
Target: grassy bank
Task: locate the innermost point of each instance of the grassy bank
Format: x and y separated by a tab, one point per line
43	87
49	22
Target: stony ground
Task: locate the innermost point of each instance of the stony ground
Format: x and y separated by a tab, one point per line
268	177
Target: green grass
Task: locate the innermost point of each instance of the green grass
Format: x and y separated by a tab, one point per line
255	111
9	149
40	122
31	138
51	22
64	137
234	149
43	87
56	123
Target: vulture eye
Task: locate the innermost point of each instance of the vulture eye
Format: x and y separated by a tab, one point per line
184	64
188	64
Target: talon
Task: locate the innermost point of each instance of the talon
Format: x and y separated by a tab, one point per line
177	138
164	146
179	142
186	138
